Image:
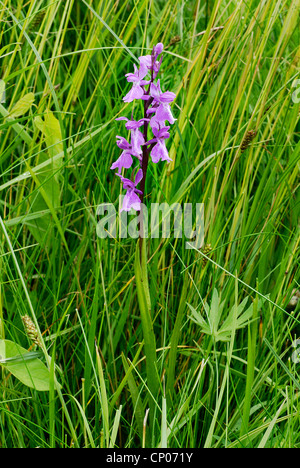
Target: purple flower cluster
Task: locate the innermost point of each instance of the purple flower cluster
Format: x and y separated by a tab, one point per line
157	112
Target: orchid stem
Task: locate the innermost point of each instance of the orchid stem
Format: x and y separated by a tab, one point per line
144	300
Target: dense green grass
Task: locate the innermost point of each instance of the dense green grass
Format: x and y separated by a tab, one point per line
233	70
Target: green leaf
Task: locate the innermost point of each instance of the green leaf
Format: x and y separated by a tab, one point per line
135	393
40	227
51	130
215	312
31	372
2	91
235	320
197	318
22	106
142	288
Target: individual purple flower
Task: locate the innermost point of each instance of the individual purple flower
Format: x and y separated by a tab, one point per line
159	151
137	138
125	160
131	199
136	78
161	106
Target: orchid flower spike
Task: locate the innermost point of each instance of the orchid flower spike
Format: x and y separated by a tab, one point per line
157	111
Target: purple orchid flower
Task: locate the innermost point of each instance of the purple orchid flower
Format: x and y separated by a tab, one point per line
131	199
136	78
159	151
161	105
125	160
137	138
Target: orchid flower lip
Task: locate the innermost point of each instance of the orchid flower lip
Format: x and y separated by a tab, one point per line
124	161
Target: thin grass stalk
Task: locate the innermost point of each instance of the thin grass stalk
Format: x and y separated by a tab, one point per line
174	343
252	342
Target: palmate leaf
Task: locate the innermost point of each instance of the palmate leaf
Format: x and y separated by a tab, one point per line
236	319
25	366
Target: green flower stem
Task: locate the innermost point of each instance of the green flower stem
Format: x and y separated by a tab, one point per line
143	294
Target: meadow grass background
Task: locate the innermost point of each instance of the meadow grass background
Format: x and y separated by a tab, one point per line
232	65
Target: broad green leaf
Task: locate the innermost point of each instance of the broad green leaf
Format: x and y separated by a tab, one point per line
31	372
22	106
51	130
41	225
